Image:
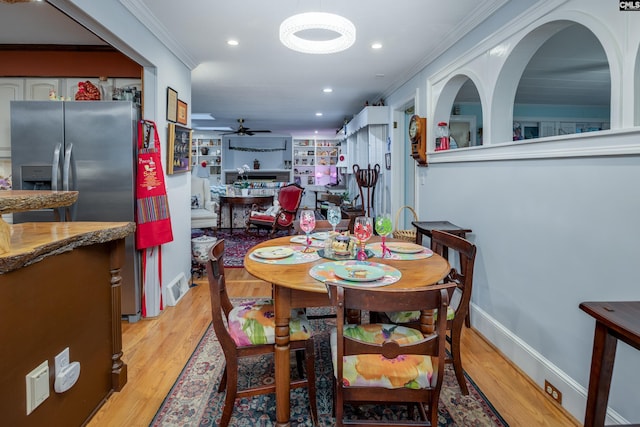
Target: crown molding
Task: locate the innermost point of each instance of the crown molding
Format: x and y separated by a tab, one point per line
148	19
480	13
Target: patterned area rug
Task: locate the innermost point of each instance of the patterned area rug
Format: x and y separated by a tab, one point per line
236	244
194	400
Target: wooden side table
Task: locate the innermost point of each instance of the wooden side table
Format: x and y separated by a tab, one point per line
614	321
351	214
425	228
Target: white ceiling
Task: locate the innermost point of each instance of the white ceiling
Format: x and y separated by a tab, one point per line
270	86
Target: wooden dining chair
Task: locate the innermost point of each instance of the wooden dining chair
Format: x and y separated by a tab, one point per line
248	329
367	180
458	310
387	363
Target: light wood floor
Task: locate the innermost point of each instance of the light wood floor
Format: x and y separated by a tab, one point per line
157	349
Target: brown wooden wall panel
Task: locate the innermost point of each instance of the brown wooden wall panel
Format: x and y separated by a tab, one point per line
79	62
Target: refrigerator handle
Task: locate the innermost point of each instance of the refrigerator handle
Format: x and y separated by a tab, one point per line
69	174
55	169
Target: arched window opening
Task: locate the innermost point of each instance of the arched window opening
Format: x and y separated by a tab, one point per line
565	87
465	122
459	114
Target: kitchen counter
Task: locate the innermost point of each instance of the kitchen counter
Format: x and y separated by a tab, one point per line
28	200
60	287
22	201
34	241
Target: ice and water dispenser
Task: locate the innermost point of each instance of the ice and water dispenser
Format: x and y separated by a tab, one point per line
35	177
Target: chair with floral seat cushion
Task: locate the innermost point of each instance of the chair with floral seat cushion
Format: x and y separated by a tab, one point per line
289	198
387	363
458	311
248	329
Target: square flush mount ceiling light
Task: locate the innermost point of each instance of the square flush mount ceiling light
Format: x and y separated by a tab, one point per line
313	21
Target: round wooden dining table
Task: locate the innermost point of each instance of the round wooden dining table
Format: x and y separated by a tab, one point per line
294	287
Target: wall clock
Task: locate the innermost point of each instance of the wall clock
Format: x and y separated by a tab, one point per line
418	139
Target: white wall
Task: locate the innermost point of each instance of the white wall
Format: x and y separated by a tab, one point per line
112	21
554	220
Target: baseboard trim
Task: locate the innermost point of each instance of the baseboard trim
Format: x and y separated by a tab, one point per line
535	366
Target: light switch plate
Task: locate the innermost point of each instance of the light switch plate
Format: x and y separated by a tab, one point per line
37	386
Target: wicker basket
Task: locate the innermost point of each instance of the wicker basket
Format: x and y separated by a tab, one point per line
408	235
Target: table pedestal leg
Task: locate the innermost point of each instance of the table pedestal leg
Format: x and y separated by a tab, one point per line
604	353
282	302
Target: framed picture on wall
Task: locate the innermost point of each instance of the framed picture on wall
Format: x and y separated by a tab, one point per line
178	149
172	105
182	112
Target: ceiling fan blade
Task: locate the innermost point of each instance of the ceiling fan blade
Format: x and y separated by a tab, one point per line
254	131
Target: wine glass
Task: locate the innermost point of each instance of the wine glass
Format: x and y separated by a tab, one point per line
383	228
334	216
363	229
307	224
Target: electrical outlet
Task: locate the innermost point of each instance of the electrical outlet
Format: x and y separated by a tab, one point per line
552	391
61	360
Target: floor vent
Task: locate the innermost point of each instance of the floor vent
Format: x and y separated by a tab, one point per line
175	290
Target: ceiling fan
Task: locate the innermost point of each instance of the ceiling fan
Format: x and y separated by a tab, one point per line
244	130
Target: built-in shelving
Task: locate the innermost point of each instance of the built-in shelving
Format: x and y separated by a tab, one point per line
209	150
314	161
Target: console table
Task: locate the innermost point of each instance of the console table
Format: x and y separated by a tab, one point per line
232	201
614	321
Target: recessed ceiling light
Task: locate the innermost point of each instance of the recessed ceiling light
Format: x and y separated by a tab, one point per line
318	114
327	90
376	46
378	75
314	21
232	42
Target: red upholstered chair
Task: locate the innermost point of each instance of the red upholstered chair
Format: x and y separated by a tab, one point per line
289	198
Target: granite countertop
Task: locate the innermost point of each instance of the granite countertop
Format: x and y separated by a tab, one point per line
32	242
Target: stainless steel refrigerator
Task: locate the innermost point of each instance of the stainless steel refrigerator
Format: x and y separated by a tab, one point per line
88	146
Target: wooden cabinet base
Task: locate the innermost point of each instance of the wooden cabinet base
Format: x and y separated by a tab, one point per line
72	300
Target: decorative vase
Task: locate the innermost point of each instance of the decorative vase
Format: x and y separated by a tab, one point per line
204	150
200	248
256	164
